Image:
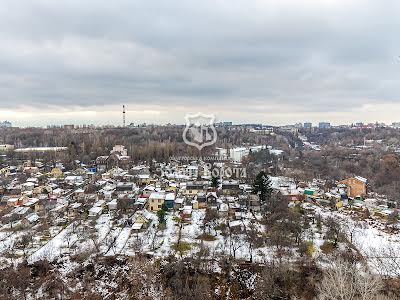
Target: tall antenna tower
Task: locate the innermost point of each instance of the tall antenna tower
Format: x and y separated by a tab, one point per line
123	115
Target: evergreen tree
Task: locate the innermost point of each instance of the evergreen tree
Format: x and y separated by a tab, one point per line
161	216
262	187
214	182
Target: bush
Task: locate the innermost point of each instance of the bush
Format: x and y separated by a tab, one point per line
206	237
18	227
307	247
327	247
182	247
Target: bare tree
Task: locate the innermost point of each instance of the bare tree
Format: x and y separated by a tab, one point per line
24	242
253	238
95	240
386	260
345	281
210	220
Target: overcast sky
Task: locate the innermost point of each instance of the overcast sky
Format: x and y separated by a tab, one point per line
274	62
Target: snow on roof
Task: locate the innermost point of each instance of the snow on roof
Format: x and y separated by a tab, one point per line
362	179
73	178
12	200
214	194
95	210
157	195
33	217
138	167
75	205
57	191
277	182
235	223
148	215
59	207
99	203
245	186
179	200
275	152
370	200
137	226
187	209
224	207
387	212
141	200
31	202
143	176
169	196
20	210
150	187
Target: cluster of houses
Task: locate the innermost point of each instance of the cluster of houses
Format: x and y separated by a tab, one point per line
351	193
113	185
32	191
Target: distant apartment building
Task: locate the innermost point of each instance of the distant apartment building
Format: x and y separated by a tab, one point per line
223	124
396	124
324	125
289	128
119	149
5	124
307	125
252	126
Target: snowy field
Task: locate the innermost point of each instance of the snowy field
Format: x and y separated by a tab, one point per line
107	236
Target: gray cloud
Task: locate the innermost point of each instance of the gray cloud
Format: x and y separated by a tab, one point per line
320	57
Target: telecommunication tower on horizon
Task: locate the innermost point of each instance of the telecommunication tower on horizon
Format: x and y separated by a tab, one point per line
123	115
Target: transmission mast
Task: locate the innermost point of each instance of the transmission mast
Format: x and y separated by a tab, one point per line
123	115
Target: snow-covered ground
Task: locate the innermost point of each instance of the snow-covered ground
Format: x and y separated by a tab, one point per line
378	247
122	240
109	237
53	248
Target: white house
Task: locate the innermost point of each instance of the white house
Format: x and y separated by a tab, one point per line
113	204
95	211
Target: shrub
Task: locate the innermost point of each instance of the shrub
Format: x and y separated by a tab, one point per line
182	247
327	247
307	247
206	237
